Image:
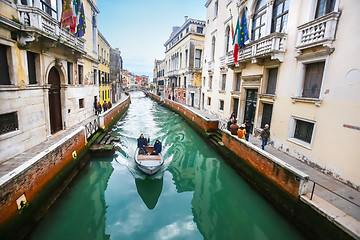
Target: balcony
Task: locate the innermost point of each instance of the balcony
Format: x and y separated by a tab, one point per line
272	45
39	23
172	73
318	32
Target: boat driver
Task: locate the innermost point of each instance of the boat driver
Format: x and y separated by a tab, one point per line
142	143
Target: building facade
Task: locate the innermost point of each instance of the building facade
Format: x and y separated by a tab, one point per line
104	47
183	62
159	77
290	74
47	73
115	74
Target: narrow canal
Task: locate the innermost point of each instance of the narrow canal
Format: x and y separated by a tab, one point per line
196	195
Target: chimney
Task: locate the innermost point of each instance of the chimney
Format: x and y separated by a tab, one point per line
186	18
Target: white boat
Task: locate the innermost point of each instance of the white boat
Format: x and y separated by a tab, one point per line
149	164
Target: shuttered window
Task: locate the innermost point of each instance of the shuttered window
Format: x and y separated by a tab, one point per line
313	80
4	66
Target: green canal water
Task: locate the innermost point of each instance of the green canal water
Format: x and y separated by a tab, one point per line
196	195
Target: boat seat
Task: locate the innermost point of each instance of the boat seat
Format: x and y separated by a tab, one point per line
148	157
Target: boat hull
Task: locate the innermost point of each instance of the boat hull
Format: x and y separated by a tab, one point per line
148	164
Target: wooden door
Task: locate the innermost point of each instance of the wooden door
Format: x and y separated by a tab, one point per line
55	101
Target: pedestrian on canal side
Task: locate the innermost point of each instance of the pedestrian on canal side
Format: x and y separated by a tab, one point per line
98	108
232	120
105	106
241	132
109	105
265	135
247	128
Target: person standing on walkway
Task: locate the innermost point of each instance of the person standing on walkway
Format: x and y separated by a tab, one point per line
232	120
265	135
105	106
241	132
98	108
109	105
247	128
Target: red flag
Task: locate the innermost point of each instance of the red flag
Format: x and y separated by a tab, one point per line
67	14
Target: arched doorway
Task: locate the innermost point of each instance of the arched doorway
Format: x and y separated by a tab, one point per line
54	101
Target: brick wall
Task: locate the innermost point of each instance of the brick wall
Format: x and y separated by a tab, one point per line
31	180
279	175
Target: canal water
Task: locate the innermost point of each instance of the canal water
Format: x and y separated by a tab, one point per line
196	195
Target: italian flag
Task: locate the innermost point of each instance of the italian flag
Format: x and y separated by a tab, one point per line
236	38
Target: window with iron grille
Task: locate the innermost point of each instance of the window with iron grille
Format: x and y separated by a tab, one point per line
303	130
8	122
209	101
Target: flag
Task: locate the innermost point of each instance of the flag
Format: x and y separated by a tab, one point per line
81	26
232	27
66	15
75	13
243	31
236	39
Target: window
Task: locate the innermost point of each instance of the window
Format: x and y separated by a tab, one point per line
227	39
180	60
198	58
102	77
271	84
280	16
259	20
69	72
8	122
184	95
221	105
95	77
81	103
4	66
323	7
303	130
209	101
213	49
223	82
80	74
31	67
216	8
199	29
210	82
186	58
238	82
313	80
184	82
94	33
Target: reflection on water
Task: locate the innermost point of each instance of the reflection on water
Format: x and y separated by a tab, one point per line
194	196
149	190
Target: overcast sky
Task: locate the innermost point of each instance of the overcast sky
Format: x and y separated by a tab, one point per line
140	28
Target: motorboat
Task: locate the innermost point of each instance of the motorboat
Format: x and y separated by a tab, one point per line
147	163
